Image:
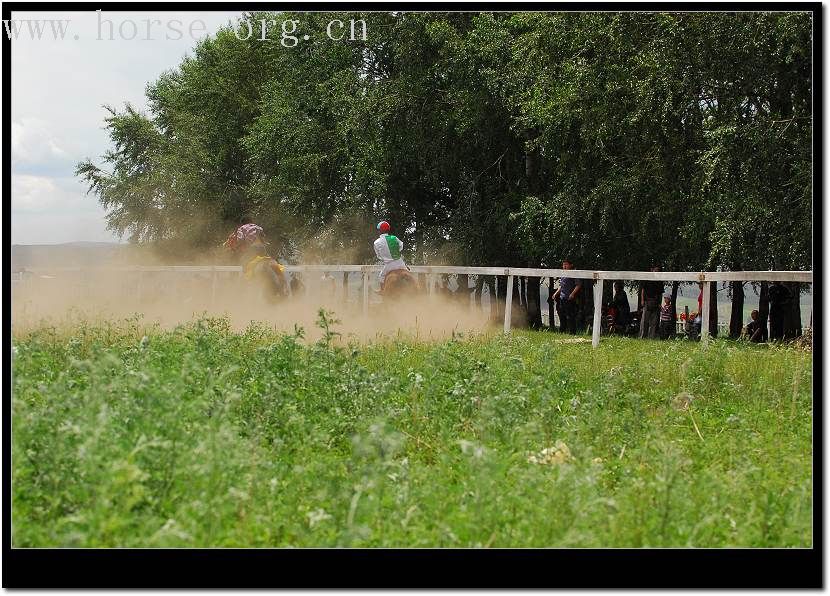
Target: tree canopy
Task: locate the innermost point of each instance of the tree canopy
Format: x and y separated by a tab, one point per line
615	139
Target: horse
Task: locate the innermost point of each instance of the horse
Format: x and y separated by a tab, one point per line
269	275
400	283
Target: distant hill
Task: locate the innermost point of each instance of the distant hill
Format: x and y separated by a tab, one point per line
70	254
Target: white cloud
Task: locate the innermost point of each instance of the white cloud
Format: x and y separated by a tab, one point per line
32	193
38	194
33	143
58	90
46	210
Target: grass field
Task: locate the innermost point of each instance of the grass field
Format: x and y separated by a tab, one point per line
125	435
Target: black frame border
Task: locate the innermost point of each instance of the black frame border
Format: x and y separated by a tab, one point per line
422	568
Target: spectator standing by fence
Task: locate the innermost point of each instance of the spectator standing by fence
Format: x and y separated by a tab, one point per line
650	294
667	329
622	310
568	295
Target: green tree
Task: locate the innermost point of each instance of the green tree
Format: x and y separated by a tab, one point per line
616	139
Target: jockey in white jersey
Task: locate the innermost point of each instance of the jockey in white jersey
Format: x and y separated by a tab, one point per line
388	249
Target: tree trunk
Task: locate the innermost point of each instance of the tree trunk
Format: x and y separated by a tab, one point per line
519	287
586	308
713	308
518	313
500	293
792	319
551	306
463	289
736	318
345	287
418	236
763	309
608	292
534	305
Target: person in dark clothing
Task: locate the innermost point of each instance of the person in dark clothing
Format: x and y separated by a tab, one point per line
622	310
754	331
568	295
650	293
779	301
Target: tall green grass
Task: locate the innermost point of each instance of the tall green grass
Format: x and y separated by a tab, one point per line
131	436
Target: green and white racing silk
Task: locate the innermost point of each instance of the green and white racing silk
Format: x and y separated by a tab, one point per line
388	249
392	242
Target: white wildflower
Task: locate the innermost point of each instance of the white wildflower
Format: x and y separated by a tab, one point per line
682	400
317	516
558	454
235	493
470	448
70	428
171	528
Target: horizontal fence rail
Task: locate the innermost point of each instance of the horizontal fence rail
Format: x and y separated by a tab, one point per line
689	276
598	276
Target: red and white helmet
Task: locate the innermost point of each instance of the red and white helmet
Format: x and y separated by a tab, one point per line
384	227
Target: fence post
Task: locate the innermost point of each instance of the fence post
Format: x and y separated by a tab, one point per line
704	316
508	306
345	287
597	312
365	293
140	279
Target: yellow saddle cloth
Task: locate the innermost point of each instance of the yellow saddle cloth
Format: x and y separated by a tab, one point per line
251	265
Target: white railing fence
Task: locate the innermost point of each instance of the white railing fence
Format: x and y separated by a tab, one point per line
597	276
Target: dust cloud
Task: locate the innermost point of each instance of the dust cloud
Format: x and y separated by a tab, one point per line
167	298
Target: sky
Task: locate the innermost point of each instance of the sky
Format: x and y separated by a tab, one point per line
58	89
